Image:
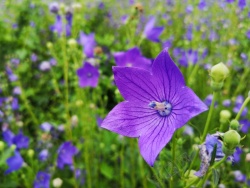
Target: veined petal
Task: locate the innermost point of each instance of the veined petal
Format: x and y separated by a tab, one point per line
155	139
167	77
185	106
135	84
131	119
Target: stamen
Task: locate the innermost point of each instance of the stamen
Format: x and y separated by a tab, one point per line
164	108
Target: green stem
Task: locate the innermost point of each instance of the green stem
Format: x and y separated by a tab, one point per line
209	117
242	80
193	74
173	160
122	165
157	177
205	130
242	108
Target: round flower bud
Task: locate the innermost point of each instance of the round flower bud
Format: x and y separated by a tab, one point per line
72	43
76	6
13	147
113	147
216	86
231	139
49	45
79	103
2	145
248	157
225	115
219	72
19	123
30	153
57	182
248	94
74	120
62	7
102	145
234	124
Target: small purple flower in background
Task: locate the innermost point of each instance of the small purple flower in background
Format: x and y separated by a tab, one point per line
168	43
15	163
58	25
152	33
237	154
230	1
202	5
189	9
88	43
46	126
65	153
68	26
132	58
238	103
226	103
189	32
14	104
208	100
45	66
242	4
245	125
248	34
239	176
12	77
33	57
53	62
43	155
156	104
189	57
42	180
188	130
21	141
15	61
213	36
17	90
54	7
88	75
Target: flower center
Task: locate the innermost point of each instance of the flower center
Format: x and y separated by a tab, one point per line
128	64
164	108
89	75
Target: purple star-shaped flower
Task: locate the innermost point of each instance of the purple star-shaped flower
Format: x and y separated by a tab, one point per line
88	75
65	153
19	140
88	43
42	180
15	163
132	58
152	33
156	105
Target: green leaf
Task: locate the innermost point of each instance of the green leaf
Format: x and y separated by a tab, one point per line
216	177
213	155
107	171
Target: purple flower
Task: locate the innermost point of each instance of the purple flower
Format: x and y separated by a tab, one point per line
208	100
43	155
245	125
156	105
230	1
45	66
21	141
15	163
42	180
202	5
132	58
226	103
15	61
54	7
99	121
189	32
65	153
238	103
237	154
239	177
88	75
17	90
242	4
58	25
152	33
88	43
248	34
46	126
14	104
33	57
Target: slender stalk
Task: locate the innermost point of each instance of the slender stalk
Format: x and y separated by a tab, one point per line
132	163
242	107
242	80
209	117
122	165
157	177
173	160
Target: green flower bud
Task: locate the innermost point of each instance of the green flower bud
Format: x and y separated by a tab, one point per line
30	153
62	7
219	72
231	139
102	145
191	177
113	147
13	147
72	43
216	86
2	145
234	124
79	103
77	6
225	115
227	151
57	182
249	94
49	45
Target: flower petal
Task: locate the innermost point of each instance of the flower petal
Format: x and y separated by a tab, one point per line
155	139
167	77
185	106
135	84
130	119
